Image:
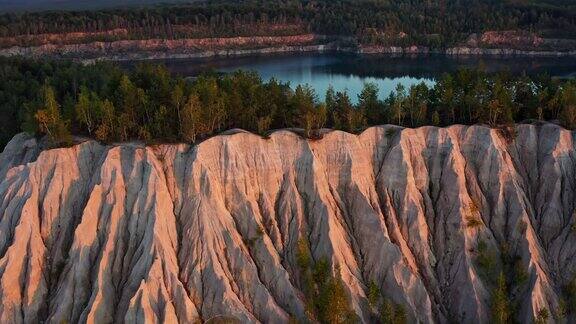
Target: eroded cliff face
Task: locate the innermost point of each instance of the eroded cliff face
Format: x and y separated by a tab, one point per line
177	233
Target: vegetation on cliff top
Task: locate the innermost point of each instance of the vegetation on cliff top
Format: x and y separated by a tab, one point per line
110	104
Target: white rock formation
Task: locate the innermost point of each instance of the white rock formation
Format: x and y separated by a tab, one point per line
175	233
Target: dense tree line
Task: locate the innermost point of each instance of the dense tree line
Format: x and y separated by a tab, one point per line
400	22
110	104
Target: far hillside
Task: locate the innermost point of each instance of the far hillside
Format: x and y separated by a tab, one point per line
435	24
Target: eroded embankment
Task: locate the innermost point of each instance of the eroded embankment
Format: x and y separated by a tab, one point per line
177	233
155	49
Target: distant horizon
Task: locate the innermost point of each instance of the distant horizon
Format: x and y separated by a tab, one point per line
7	6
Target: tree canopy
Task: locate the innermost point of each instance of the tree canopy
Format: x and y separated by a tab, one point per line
385	22
109	103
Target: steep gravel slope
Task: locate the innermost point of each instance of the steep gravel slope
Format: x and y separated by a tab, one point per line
175	233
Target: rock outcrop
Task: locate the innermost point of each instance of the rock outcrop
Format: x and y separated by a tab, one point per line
490	44
132	49
179	233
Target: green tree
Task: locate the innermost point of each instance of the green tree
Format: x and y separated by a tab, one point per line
435	118
500	108
369	104
49	120
542	316
501	311
331	107
570	292
526	97
106	130
373	293
130	102
192	119
332	301
304	102
214	107
568	102
447	96
391	313
160	126
349	118
398	99
87	109
178	100
417	103
263	125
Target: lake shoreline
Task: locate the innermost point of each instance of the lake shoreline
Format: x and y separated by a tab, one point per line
327	49
155	49
349	71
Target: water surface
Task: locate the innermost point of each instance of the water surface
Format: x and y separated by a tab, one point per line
350	72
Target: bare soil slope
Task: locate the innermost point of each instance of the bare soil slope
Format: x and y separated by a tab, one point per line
175	233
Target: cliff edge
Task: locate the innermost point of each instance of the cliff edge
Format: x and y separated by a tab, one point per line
176	233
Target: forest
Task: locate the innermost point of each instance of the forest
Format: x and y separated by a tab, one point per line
109	103
437	24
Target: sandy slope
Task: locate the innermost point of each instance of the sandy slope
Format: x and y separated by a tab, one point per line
175	233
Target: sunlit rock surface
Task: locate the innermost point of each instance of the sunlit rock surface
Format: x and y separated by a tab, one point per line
179	233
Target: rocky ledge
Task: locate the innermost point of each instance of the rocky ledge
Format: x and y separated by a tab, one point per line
179	233
157	49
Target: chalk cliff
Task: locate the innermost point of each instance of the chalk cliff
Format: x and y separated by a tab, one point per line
179	233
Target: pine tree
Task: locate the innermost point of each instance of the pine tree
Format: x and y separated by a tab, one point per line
332	301
501	312
303	103
391	313
369	104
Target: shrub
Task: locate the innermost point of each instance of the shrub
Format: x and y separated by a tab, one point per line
522	226
560	311
391	132
373	293
473	208
508	133
486	260
520	273
259	231
542	317
570	293
391	313
473	222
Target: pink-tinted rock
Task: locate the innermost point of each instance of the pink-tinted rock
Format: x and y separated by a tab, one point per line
176	233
